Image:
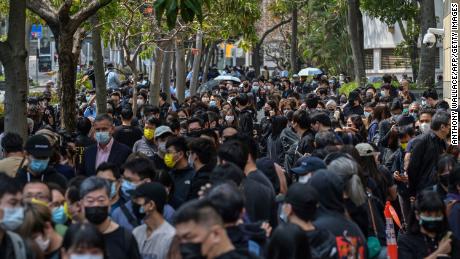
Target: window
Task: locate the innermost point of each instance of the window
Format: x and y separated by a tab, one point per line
391	61
369	59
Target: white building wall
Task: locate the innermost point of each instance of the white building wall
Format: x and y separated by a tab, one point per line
378	35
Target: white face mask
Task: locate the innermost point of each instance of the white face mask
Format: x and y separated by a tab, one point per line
229	118
42	242
383	93
304	178
85	256
140	102
425	127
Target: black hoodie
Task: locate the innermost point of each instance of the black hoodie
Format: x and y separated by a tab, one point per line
331	215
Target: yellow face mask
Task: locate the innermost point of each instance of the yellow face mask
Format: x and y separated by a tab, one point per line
149	133
404	145
169	160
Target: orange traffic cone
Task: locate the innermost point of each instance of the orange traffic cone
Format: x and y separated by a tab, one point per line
390	215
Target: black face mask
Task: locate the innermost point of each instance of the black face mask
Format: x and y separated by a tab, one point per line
191	251
136	211
97	215
267	113
194	134
444	179
433	226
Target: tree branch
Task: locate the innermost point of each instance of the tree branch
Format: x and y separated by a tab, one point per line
276	26
84	13
64	10
44	9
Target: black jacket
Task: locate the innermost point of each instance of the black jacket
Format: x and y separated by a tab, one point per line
349	110
182	183
50	175
260	201
331	213
201	178
423	162
322	244
118	155
246	124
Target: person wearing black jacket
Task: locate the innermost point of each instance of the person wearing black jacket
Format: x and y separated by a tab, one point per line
203	158
331	214
229	203
245	116
300	205
38	152
353	106
181	172
426	153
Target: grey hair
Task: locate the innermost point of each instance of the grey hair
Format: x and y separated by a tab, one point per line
347	169
92	184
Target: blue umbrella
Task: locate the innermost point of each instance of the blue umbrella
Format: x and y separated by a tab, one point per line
310	71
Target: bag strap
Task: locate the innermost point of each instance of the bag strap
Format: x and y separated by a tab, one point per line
18	245
133	221
369	203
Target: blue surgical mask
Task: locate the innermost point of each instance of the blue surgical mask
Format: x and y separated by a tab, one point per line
12	218
38	165
113	190
126	187
366	114
102	137
59	216
283	216
212	103
255	88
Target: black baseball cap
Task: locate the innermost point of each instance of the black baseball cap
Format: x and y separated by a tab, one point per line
303	198
152	191
38	146
305	165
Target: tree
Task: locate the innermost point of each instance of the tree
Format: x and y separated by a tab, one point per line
256	59
13	56
196	63
65	20
426	77
355	29
101	88
326	42
407	15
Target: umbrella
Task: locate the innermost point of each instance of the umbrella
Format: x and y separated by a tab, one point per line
227	78
208	86
310	71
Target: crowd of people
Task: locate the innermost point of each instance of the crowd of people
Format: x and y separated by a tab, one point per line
280	168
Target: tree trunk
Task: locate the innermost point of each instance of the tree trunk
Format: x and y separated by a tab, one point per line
67	75
294	55
196	63
256	62
180	70
132	64
98	61
156	77
166	70
354	30
426	76
13	56
209	56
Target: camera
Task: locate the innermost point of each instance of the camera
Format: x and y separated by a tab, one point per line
429	40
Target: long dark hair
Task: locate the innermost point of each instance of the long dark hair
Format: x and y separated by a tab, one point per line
427	201
288	242
278	124
371	170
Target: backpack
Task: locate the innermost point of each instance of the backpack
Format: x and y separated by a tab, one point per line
18	245
290	143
